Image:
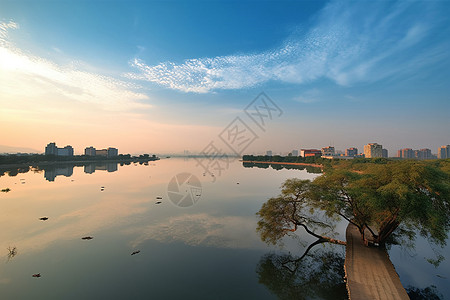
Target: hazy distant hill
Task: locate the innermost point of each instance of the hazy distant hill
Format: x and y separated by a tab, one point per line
12	149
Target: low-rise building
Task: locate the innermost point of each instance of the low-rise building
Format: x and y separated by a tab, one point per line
310	152
351	152
328	151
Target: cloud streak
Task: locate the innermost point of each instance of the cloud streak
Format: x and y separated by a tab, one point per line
349	43
27	76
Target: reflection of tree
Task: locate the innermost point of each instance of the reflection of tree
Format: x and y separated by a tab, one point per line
313	275
428	293
12	251
309	169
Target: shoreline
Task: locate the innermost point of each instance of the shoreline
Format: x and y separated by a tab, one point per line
75	162
283	163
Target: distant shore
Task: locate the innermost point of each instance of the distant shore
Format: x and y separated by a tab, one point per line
283	163
75	162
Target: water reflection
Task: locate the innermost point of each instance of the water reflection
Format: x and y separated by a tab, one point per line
51	171
318	274
279	166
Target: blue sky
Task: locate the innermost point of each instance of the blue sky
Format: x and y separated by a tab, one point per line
164	76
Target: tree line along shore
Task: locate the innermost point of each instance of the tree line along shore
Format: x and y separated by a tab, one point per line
19	160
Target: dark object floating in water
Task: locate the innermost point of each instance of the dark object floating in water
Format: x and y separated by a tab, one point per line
43	218
237	183
37	275
87	238
158	197
136	252
158	202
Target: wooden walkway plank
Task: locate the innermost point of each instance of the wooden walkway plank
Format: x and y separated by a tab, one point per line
369	271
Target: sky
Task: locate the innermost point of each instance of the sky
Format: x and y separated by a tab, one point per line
243	76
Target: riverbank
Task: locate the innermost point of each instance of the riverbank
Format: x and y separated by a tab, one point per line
369	271
283	163
75	162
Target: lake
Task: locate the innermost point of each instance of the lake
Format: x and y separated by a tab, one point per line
192	234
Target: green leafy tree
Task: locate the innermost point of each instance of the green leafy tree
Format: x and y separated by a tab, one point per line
377	197
282	215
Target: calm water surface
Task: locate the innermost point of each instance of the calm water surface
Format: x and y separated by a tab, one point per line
206	251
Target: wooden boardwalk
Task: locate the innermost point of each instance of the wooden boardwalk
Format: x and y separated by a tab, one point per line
369	271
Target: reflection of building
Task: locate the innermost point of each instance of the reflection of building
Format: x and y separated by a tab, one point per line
310	152
107	166
110	152
444	152
51	173
51	149
328	151
373	150
351	152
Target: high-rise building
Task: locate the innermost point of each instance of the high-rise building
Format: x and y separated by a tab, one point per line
351	152
328	151
294	152
112	152
51	149
89	151
406	153
269	152
384	153
444	152
373	150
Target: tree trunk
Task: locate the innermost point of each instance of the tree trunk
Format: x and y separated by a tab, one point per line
386	230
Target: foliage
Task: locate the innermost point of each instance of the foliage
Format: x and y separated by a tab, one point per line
282	215
376	196
428	293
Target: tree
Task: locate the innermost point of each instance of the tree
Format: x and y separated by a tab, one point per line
377	197
282	215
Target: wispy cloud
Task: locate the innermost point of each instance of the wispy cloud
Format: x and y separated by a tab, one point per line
26	75
350	42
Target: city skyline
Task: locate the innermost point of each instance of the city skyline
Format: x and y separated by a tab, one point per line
165	77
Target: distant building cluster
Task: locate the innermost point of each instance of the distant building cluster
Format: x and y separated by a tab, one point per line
109	152
408	153
371	150
52	149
